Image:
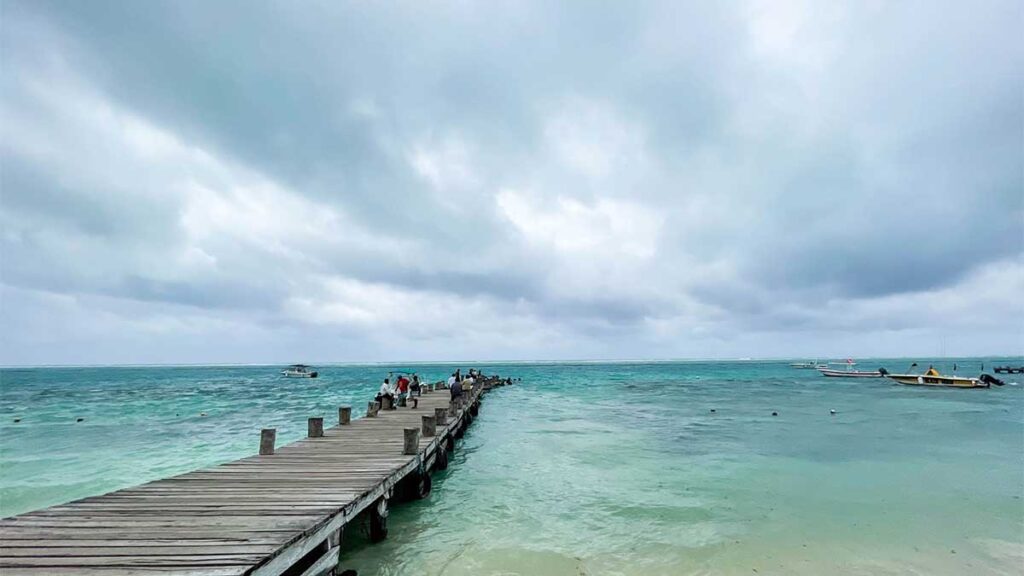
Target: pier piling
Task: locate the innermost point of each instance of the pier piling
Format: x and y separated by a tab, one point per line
429	426
268	437
315	427
344	415
412	441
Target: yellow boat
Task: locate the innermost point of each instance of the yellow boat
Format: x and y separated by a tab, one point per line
933	378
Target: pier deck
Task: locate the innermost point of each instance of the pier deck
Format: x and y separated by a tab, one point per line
283	513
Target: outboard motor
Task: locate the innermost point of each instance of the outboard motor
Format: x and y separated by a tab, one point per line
883	371
990	379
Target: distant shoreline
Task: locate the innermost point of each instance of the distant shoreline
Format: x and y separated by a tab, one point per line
999	358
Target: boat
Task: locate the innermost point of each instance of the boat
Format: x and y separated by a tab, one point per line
299	371
850	372
933	378
939	380
806	365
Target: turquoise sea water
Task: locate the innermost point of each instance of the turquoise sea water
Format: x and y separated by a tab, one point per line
589	468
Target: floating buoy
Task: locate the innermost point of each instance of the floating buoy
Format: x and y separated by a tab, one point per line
832	411
80	420
16	420
202	413
775	413
712	410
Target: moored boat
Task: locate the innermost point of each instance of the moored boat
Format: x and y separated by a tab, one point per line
299	371
850	373
808	365
1009	369
933	378
939	380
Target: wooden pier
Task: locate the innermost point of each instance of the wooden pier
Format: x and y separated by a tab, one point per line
283	512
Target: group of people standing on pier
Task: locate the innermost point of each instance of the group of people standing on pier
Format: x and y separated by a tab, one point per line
401	390
407	386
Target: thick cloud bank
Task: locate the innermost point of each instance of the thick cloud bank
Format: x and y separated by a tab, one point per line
269	182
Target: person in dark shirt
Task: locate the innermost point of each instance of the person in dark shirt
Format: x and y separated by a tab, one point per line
456	390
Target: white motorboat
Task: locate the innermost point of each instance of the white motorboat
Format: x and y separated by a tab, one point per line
850	372
299	371
808	365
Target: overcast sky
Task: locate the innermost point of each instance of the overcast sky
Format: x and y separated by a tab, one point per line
324	181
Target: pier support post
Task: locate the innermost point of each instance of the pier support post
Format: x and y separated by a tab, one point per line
344	415
441	456
379	520
429	426
315	427
385	403
268	437
412	441
441	416
371	409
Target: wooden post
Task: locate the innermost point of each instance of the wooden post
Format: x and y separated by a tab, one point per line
379	520
268	436
429	425
344	415
412	441
316	427
441	416
385	402
371	409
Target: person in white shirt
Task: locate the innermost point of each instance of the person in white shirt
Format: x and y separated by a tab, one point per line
451	381
385	390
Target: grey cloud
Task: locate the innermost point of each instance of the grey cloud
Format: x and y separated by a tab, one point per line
873	154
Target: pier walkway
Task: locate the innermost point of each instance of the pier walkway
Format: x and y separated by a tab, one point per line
280	513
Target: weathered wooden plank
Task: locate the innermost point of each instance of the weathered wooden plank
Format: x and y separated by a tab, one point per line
133	571
214	549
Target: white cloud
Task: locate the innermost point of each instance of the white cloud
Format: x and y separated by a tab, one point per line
605	228
446	164
591	139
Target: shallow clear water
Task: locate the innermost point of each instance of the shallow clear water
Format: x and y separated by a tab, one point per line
589	468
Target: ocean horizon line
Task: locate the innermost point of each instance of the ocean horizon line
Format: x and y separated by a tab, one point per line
554	362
